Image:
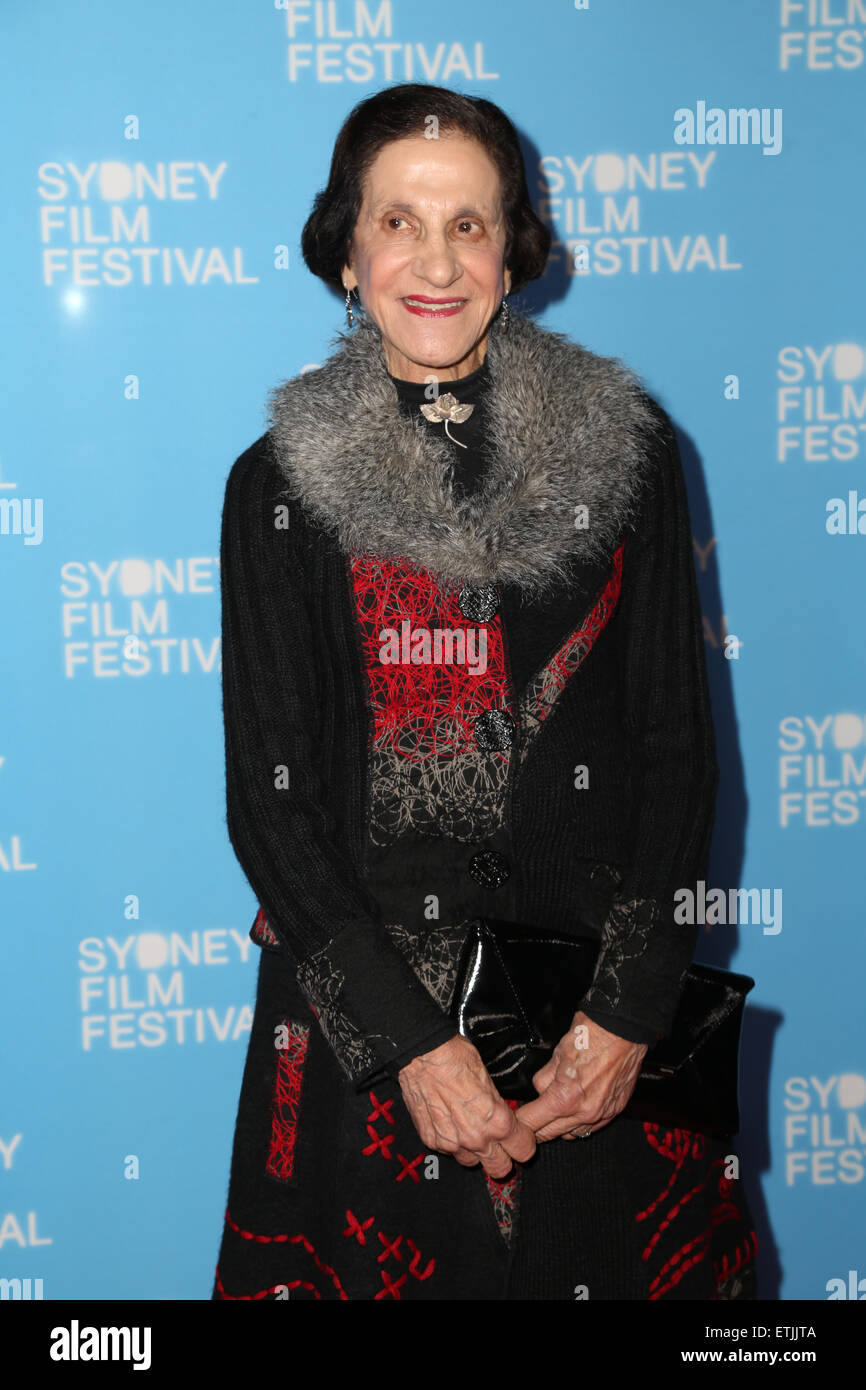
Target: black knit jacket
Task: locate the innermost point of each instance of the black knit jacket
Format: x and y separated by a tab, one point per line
636	713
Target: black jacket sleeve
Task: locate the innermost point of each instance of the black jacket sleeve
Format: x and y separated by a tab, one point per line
372	1008
665	698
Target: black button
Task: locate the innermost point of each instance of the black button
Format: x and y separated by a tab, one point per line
479	602
494	730
489	868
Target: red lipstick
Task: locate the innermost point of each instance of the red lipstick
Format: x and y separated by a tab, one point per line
415	302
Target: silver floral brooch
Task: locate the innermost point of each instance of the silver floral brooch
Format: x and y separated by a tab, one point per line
449	409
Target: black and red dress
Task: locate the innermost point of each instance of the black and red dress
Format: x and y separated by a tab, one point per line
332	1195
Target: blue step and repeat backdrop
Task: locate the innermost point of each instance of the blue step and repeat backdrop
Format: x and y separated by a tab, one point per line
701	168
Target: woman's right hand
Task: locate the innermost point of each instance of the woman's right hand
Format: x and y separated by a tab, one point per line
456	1109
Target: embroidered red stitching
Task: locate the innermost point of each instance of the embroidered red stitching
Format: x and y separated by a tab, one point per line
391	1287
288	1240
673	1259
679	1156
684	1268
415	1261
726	1211
381	1109
408	1169
437	694
392	1247
378	1142
263	1293
262	932
677	1145
547	686
502	1191
504	1196
749	1250
286	1100
674	1211
357	1228
720	1213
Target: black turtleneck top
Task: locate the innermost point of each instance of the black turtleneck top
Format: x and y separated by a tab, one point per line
470	462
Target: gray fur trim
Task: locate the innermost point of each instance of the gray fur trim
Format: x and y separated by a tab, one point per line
567	426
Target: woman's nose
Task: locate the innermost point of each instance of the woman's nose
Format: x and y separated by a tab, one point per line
437	260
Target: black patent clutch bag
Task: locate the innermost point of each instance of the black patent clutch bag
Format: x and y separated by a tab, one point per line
516	995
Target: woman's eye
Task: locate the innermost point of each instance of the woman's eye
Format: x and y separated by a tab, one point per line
465	224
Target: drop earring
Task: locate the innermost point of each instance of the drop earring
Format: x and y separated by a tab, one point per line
349	315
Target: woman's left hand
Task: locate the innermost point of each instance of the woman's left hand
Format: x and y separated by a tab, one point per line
585	1084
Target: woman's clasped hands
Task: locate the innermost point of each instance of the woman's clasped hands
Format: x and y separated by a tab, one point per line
456	1108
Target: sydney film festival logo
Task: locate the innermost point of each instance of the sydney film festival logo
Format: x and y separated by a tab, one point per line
99	224
360	43
596	202
119	618
150	989
825	1130
821	35
821	403
822	770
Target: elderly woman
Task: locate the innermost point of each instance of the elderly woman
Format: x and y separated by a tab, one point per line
463	677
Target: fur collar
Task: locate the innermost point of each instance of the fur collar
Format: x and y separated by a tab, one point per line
566	427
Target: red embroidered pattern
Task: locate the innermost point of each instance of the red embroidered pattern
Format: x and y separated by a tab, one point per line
280	1240
504	1196
391	1288
262	932
264	1293
286	1100
409	1166
355	1230
391	1247
415	1262
381	1109
741	1256
440	699
545	688
679	1145
381	1112
381	1143
427	771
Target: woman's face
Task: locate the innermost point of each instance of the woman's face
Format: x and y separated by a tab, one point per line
431	227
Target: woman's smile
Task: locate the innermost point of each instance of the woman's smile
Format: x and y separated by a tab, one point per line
433	308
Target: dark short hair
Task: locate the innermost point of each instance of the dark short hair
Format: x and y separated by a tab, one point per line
396	113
